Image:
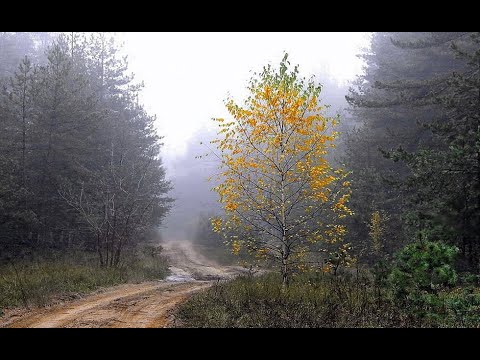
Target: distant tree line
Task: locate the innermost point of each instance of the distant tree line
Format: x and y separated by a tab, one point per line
79	155
15	45
415	152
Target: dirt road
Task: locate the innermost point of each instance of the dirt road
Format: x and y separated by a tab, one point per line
132	305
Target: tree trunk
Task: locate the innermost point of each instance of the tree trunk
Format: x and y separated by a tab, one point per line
99	250
285	277
24	137
477	187
285	249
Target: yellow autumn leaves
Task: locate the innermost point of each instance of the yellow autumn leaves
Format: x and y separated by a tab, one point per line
279	192
377	227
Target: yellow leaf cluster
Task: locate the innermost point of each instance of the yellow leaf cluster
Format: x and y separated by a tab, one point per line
377	230
236	247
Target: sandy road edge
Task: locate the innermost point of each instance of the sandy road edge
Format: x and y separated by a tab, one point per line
149	304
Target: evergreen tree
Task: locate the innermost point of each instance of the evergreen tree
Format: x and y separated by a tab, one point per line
418	102
80	156
446	178
390	104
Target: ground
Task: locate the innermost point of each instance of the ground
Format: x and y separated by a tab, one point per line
149	304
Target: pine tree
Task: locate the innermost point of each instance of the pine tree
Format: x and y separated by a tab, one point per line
446	178
79	155
391	104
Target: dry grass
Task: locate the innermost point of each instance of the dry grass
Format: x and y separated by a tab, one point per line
35	283
322	300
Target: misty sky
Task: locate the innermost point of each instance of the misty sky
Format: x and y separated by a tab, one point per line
188	75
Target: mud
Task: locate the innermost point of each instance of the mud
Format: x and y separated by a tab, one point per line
145	305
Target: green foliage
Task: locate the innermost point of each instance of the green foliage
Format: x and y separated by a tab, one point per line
445	177
381	271
422	278
458	307
423	267
417	289
324	300
415	153
417	104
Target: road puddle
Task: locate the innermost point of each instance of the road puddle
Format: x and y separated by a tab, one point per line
179	278
178	275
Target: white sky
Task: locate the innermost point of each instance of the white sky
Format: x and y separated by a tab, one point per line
188	75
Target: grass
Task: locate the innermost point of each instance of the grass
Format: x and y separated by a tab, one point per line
36	283
311	300
321	300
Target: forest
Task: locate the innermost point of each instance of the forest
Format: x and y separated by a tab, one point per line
312	203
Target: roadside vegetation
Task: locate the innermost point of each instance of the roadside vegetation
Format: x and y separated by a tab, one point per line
48	278
418	290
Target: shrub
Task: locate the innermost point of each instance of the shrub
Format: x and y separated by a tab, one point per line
423	267
323	300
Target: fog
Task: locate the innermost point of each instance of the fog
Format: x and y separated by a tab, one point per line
187	77
106	150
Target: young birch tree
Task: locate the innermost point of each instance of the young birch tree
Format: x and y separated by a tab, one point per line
281	196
